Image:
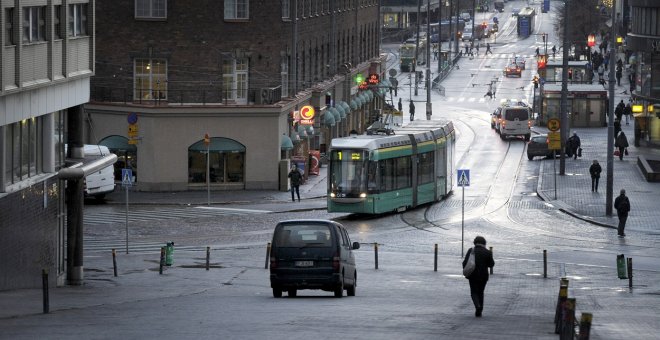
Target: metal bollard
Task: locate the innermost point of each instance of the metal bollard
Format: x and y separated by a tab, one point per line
208	258
630	270
267	255
376	253
561	299
491	268
44	283
162	260
114	261
545	263
435	259
585	326
568	323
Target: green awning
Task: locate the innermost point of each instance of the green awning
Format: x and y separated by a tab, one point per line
364	98
359	101
341	110
301	131
310	130
354	105
286	143
115	143
335	114
347	108
328	118
218	144
370	95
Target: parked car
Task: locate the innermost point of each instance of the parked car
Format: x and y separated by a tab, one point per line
494	117
520	61
312	254
538	146
513	69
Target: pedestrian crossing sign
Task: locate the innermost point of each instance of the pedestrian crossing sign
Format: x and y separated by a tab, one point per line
127	177
463	177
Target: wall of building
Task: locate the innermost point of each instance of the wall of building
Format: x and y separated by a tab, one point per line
29	235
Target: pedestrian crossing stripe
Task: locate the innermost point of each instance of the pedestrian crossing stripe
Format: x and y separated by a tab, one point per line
142	215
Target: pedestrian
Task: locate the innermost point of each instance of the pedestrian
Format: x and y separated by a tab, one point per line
537	51
601	74
479	277
622	206
488	49
622	144
296	178
617	128
627	112
400	106
466	49
412	111
618	112
595	171
619	73
573	145
632	77
554	50
478	47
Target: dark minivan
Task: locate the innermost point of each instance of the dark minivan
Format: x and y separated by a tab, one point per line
312	254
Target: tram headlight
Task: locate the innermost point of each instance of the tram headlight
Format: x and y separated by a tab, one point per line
332	195
363	195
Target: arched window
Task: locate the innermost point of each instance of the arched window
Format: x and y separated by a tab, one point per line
226	161
126	154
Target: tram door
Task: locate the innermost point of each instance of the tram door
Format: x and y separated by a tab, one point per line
415	163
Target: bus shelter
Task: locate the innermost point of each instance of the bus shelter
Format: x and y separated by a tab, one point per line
587	105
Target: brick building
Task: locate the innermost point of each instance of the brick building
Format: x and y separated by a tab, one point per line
236	71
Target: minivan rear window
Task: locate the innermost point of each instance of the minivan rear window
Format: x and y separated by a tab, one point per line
517	114
303	235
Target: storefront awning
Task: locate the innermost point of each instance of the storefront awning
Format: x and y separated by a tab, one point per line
328	118
354	104
115	143
218	144
286	143
335	114
310	130
301	131
347	109
340	109
370	95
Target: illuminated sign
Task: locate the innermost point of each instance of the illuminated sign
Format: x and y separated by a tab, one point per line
355	156
637	108
373	79
305	115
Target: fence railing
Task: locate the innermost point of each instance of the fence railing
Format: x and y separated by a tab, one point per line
158	97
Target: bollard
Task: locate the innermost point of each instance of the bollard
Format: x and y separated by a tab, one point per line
621	266
491	268
162	260
267	255
169	253
44	283
630	272
563	294
585	326
568	323
208	257
435	259
376	253
114	261
545	264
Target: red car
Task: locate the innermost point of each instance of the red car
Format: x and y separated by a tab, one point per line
513	69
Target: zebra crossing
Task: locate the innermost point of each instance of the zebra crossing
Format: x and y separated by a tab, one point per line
93	245
143	214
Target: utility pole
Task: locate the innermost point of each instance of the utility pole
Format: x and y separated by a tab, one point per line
609	191
456	34
428	60
564	95
440	36
414	67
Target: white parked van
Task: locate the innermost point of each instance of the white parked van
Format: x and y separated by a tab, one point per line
513	119
102	182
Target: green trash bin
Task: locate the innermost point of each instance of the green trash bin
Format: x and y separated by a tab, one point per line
621	267
169	251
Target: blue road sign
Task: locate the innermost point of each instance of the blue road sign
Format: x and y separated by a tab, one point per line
127	177
463	177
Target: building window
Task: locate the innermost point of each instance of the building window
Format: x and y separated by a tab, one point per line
235	79
150	76
59	135
77	20
284	73
286	9
34	24
151	9
23	146
237	9
9	26
226	161
57	21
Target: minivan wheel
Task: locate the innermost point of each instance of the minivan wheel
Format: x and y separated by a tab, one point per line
502	136
530	157
293	292
277	292
350	290
339	290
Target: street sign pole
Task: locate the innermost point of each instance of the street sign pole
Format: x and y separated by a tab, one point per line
126	187
208	175
463	181
126	181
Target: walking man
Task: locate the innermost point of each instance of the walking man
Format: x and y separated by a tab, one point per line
412	111
296	178
554	50
479	277
400	106
488	49
622	206
595	171
621	143
574	144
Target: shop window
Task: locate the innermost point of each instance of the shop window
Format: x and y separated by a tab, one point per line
23	150
226	161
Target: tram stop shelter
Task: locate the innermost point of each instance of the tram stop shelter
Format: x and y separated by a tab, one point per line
587	104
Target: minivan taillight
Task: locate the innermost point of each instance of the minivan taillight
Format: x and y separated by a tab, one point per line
273	262
335	263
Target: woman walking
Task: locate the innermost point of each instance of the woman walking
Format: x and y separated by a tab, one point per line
479	277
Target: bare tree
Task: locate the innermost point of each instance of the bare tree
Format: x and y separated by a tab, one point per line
584	18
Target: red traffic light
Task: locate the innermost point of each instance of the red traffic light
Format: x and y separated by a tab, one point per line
591	40
541	61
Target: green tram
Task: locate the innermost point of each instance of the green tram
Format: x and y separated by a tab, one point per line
401	169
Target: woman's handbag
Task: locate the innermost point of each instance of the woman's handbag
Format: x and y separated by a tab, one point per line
470	265
616	152
579	152
625	151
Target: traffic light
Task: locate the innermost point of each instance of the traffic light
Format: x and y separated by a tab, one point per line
536	81
541	61
484	25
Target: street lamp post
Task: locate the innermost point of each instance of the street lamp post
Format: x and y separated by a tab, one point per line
610	119
428	60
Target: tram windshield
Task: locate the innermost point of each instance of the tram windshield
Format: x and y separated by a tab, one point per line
347	171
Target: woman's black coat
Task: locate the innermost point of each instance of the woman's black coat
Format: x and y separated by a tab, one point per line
483	259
